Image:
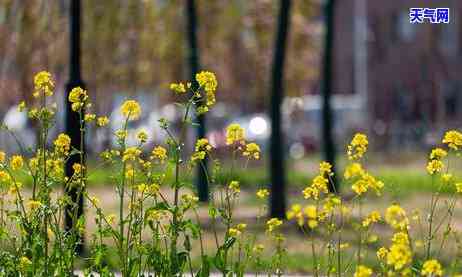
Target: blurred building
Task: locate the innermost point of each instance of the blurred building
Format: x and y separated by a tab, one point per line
412	72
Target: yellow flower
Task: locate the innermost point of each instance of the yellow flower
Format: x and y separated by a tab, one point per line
272	224
121	134
141	188
400	238
399	256
382	253
32	204
201	149
458	187
142	136
234	134
434	166
359	187
295	212
78	97
320	183
153	189
24	263
159	153
62	144
234	186
94	200
2	157
208	81
233	232
396	217
438	154
178	88
373	217
16	162
325	168
447	177
22	106
241	226
310	211
89	117
453	139
362	271
102	121
432	268
4	176
77	168
111	218
344	245
189	199
357	147
43	83
203	145
262	193
252	150
310	192
131	109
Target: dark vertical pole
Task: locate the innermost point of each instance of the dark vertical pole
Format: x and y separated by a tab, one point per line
193	57
277	169
326	90
72	118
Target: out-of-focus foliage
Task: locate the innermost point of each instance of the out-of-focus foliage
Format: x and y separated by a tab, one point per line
139	45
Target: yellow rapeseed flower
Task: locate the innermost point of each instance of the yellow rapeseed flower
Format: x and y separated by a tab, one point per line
62	144
262	193
272	224
16	162
438	154
102	121
252	150
399	256
142	136
159	153
373	217
33	204
178	88
357	147
396	217
453	139
434	166
24	263
234	186
234	134
43	84
131	109
325	168
78	97
382	253
2	157
362	271
432	268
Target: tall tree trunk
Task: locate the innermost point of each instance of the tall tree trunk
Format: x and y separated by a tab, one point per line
277	168
72	118
193	57
326	90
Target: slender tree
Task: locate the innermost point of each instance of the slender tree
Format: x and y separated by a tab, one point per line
72	118
193	58
326	89
277	167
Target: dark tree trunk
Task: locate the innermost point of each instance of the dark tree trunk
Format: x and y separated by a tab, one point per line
72	118
326	90
277	168
193	58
